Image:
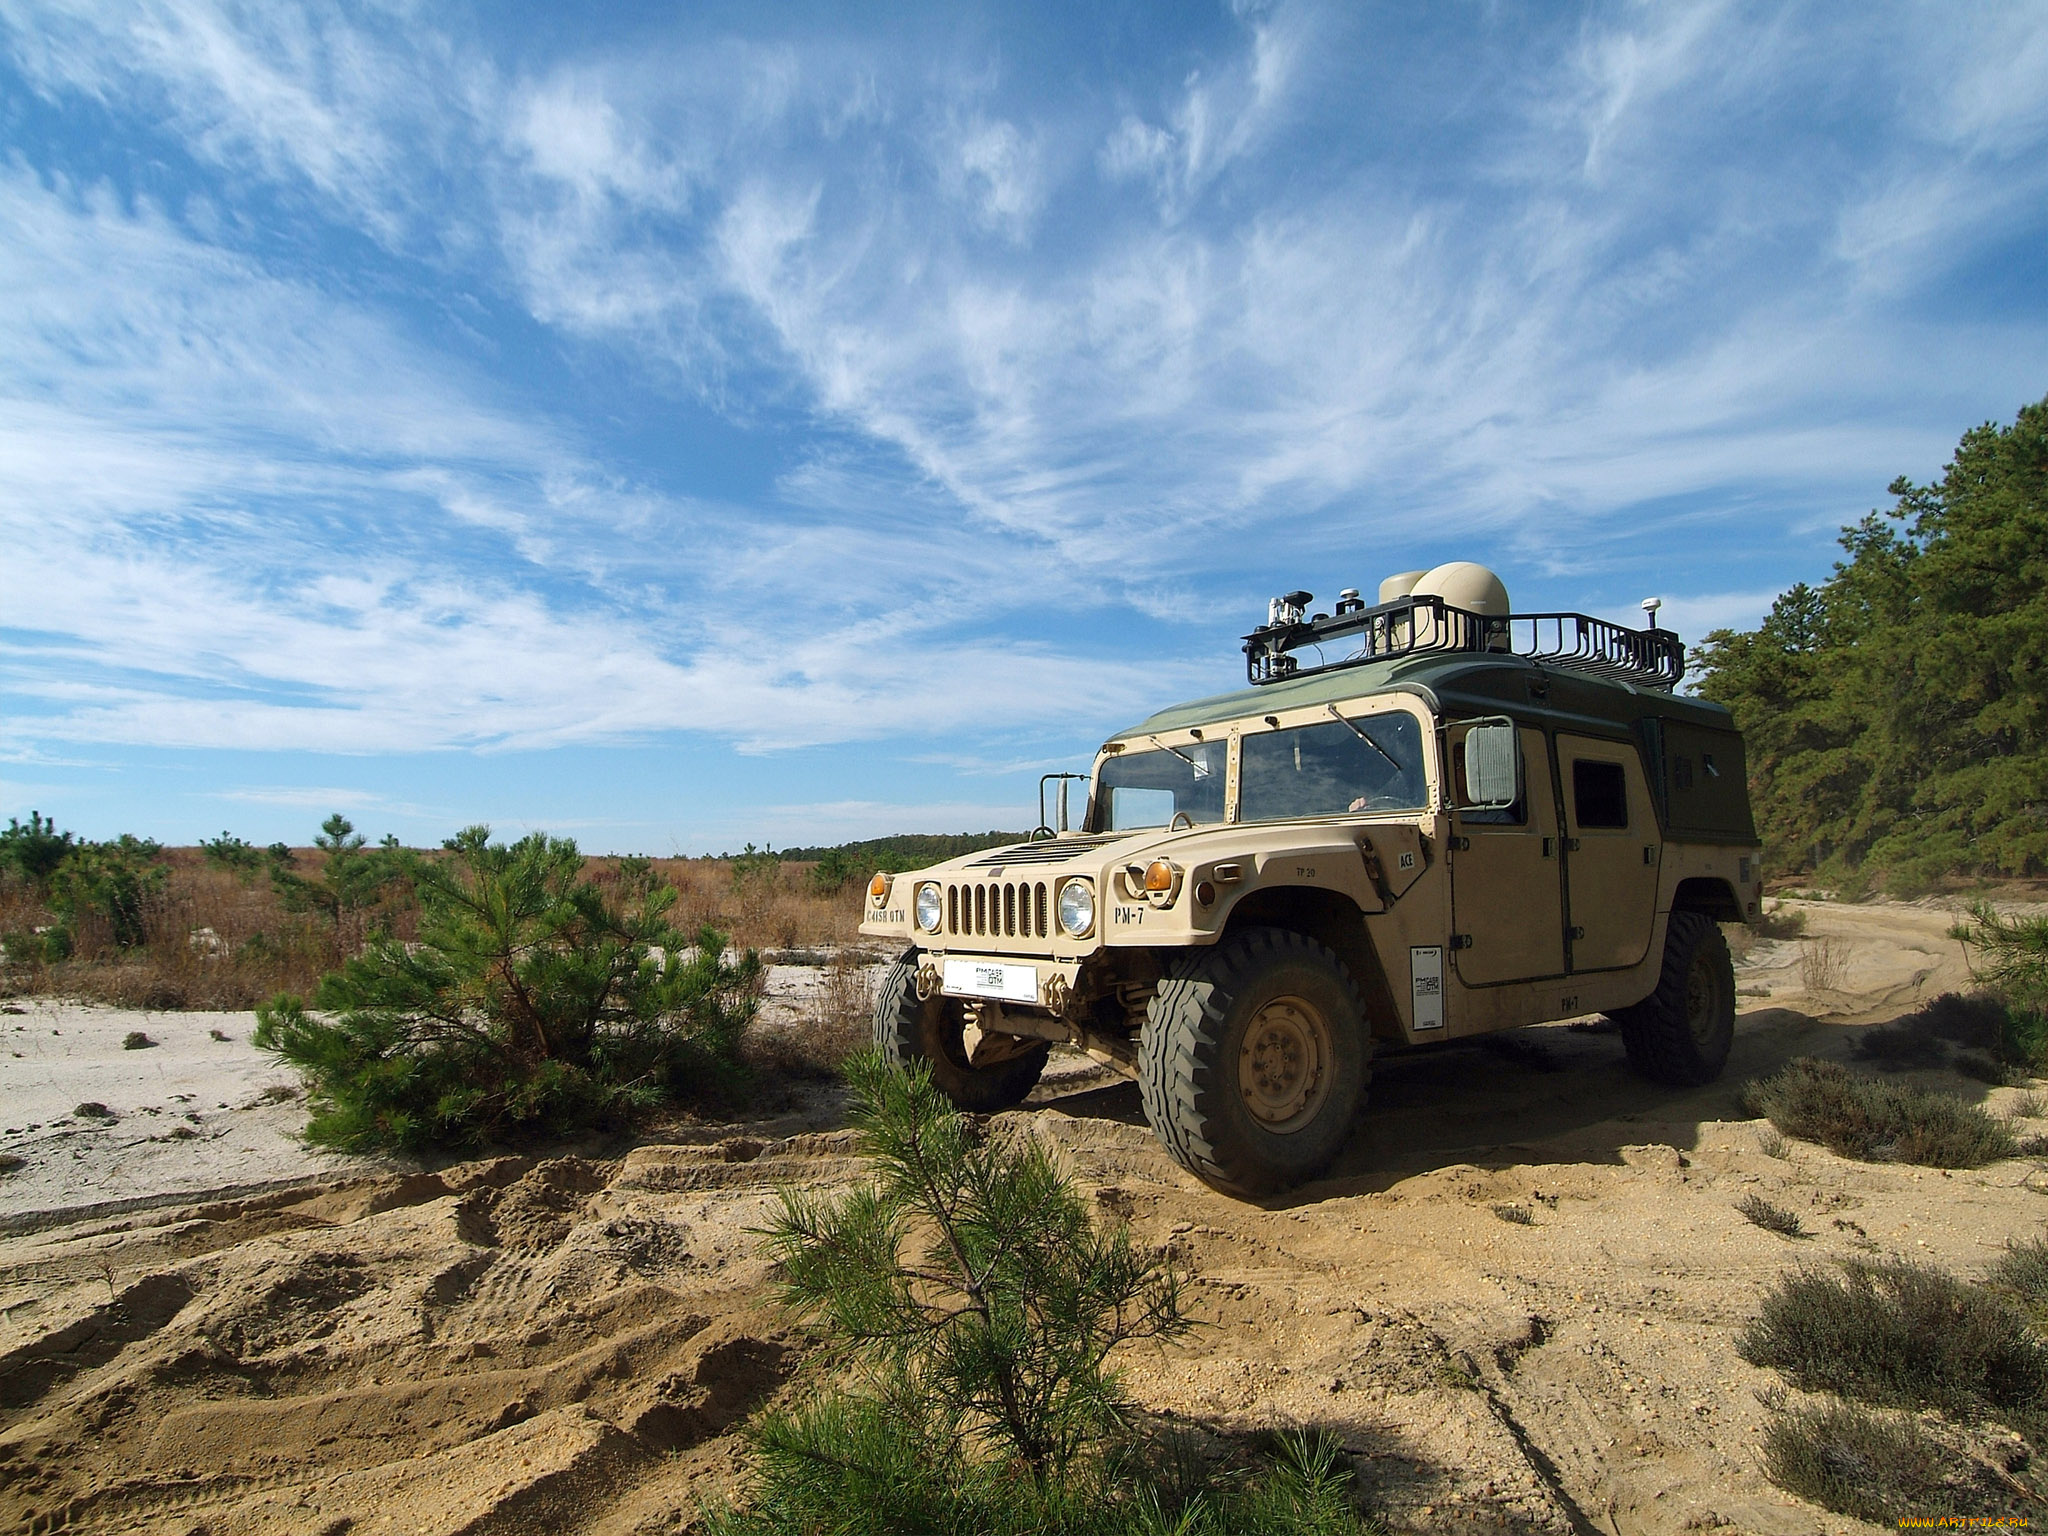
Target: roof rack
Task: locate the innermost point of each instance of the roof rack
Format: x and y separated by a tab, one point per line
1648	658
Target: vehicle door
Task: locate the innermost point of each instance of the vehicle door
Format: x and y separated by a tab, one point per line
1507	897
1611	852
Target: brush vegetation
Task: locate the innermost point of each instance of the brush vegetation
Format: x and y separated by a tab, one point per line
228	924
1982	1035
1880	1467
848	864
1901	1335
1855	1115
532	1002
1887	1341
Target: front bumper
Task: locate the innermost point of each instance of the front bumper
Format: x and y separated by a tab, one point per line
1035	982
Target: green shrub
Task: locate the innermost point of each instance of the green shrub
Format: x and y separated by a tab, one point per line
2022	1273
2012	954
34	851
1005	1321
355	887
229	852
112	882
1779	922
836	867
1982	1027
1924	1037
1901	1335
968	1303
1863	1117
756	867
1877	1468
856	1466
533	1003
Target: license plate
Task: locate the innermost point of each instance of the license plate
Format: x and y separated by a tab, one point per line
991	978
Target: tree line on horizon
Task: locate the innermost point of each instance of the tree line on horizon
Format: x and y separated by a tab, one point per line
1896	713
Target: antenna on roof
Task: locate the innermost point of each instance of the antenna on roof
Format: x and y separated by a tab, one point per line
1650	607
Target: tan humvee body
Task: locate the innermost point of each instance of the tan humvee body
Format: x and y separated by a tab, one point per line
1453	923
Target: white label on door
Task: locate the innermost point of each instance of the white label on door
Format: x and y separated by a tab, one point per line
1426	977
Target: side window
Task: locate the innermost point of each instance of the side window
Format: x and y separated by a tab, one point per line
1599	795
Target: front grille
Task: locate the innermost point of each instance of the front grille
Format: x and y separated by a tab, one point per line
1055	851
1012	909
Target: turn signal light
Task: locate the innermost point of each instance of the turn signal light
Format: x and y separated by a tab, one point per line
878	889
1159	875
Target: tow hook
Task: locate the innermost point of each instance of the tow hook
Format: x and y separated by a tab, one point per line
1056	995
927	982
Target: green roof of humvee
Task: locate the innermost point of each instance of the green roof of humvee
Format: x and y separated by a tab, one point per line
1459	683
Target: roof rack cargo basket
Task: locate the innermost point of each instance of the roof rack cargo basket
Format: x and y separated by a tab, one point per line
1648	658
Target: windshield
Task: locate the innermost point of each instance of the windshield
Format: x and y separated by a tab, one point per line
1373	763
1147	789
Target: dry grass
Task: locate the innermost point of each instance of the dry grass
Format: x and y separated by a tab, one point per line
838	1022
1772	1218
1820	966
215	939
762	908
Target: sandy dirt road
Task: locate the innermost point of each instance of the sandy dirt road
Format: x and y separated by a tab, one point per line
571	1344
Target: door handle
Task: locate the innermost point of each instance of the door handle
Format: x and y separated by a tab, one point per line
1549	847
1571	845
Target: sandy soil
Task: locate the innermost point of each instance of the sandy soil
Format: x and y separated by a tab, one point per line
569	1344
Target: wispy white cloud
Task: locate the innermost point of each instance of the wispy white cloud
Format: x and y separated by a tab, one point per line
1059	351
246	508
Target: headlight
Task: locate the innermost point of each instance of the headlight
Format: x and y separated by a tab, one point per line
1077	908
930	907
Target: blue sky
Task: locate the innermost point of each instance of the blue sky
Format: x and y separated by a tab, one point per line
692	425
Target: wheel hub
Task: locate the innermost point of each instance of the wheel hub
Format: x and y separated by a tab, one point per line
1283	1066
1700	1002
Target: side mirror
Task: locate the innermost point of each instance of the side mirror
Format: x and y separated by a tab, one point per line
1493	768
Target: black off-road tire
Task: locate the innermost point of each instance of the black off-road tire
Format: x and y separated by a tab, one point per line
907	1030
1681	1033
1195	1038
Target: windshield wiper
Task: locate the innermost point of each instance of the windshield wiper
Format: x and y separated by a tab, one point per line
1201	768
1365	736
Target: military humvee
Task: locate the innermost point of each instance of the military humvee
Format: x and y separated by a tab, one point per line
1427	818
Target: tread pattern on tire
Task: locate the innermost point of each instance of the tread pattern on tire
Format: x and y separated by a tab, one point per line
895	1017
899	1035
1186	1021
1654	1032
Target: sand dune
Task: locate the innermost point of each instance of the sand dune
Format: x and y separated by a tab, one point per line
571	1343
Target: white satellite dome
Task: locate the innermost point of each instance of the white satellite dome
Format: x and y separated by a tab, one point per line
1468	585
1396	587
